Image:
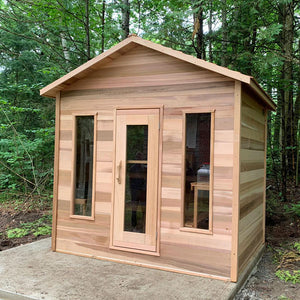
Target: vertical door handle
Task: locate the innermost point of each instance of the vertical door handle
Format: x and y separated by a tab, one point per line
119	172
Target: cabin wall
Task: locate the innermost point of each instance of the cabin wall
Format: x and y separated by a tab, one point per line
252	179
143	77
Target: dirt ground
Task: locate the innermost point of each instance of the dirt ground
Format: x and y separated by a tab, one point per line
281	232
264	284
17	212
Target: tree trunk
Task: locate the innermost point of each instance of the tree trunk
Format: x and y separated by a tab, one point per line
65	50
288	95
297	125
297	130
276	145
269	122
103	26
224	34
287	157
198	31
283	174
87	29
125	18
64	47
252	47
210	55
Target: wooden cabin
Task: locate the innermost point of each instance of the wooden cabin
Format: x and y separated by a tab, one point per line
160	161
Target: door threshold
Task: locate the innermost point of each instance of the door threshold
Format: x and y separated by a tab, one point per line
153	253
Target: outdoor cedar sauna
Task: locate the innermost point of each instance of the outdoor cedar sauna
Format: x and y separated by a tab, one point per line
160	161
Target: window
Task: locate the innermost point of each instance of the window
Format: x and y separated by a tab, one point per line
136	178
83	173
198	171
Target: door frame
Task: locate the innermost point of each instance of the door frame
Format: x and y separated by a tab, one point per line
160	148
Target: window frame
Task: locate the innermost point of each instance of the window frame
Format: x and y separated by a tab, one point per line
211	176
73	171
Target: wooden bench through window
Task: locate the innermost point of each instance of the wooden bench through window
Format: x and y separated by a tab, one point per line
198	160
83	168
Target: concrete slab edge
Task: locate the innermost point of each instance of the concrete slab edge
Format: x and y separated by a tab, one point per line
5	295
25	245
246	274
146	265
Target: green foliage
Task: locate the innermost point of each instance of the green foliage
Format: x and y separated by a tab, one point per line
45	230
297	246
37	228
19	202
17	232
273	204
26	148
282	297
287	276
287	257
293	209
54	37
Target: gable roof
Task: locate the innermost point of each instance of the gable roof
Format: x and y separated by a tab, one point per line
133	40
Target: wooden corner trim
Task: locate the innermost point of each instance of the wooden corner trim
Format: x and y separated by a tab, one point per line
56	171
236	181
265	177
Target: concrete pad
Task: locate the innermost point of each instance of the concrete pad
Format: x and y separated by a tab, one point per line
34	271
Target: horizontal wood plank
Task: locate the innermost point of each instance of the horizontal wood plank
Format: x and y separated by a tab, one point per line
142	80
252	175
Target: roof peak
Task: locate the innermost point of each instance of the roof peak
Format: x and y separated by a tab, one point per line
126	45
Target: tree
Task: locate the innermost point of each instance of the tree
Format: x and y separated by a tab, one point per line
42	40
125	18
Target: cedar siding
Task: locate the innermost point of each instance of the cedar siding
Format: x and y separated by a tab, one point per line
252	179
139	78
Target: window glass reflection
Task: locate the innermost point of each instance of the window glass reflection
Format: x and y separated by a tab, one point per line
197	170
137	142
84	165
135	197
136	178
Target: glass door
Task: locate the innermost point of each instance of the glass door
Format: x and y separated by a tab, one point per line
136	179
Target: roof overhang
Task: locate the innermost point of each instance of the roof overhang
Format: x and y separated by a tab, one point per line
132	41
262	94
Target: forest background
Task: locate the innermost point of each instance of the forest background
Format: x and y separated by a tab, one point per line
41	40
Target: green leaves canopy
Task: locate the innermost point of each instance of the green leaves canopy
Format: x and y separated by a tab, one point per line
41	40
